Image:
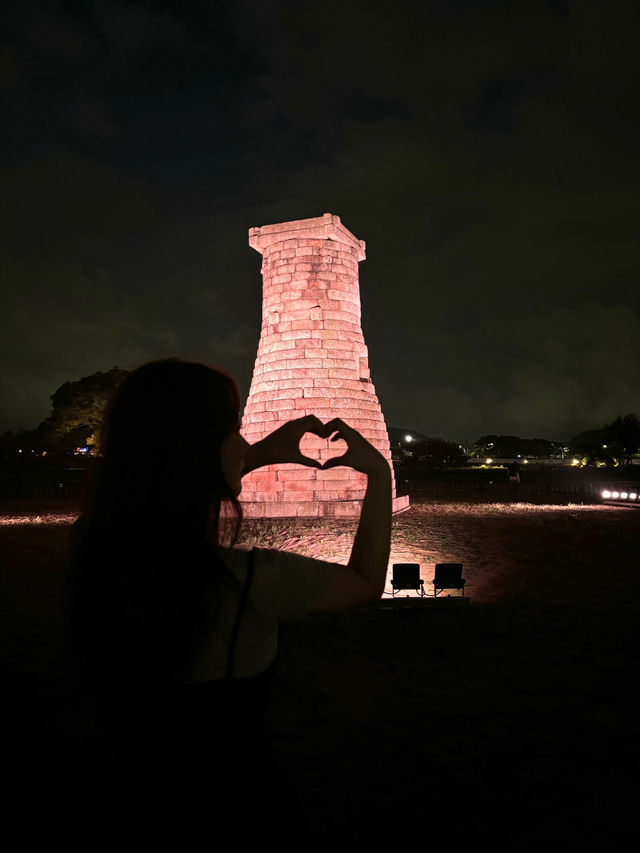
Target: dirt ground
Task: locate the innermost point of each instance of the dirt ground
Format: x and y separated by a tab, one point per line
509	722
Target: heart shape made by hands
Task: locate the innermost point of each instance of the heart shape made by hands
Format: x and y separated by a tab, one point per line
321	449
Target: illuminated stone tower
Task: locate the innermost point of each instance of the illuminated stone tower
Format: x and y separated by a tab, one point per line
312	359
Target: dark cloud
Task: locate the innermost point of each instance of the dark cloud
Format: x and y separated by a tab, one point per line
486	151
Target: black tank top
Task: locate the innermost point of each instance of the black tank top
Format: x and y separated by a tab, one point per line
202	717
195	764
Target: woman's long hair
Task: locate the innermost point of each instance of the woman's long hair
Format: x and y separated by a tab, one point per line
144	570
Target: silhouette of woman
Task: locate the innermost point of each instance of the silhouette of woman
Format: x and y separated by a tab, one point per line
182	631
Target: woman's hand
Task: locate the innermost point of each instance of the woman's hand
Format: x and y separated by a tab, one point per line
360	454
283	444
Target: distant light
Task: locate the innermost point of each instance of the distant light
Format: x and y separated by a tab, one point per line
525	461
408	438
604	445
489	461
615	494
575	461
624	495
632	496
606	494
19	451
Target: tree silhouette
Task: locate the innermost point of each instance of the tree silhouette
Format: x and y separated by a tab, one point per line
436	453
624	434
78	409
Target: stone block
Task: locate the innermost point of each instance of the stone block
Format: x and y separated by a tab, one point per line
285	509
286	408
309	404
339	312
308	373
343	325
262	417
330	495
340	373
339	484
298	490
400	503
333	474
260	476
254	509
306	509
295	334
341	509
299	471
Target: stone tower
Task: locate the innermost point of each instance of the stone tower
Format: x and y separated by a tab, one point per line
312	359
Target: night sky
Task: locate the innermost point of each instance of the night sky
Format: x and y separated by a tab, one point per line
487	152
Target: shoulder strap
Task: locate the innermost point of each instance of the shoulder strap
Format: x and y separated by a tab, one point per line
241	605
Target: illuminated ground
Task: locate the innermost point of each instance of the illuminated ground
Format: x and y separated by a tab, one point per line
510	722
504	547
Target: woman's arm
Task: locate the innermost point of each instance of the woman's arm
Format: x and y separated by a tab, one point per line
364	576
363	579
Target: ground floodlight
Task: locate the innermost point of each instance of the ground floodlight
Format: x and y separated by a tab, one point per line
624	495
407	576
615	494
606	494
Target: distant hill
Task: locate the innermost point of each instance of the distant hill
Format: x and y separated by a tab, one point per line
591	438
399	434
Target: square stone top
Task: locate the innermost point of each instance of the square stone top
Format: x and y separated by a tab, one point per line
326	227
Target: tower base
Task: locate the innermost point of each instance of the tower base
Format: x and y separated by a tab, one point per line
312	509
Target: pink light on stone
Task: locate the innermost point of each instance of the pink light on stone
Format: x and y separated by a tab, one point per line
312	359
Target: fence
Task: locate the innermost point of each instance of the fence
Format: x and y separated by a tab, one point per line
54	484
590	491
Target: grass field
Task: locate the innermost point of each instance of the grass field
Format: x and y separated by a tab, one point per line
510	722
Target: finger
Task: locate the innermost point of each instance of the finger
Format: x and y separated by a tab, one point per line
300	459
335	423
311	423
310	463
338	425
312	420
334	462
